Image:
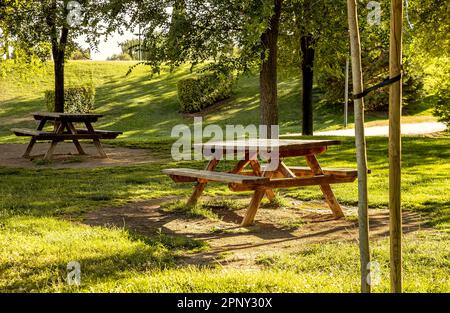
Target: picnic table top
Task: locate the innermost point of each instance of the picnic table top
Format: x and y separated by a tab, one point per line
281	144
66	116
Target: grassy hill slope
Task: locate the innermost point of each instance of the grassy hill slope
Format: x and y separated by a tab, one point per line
146	108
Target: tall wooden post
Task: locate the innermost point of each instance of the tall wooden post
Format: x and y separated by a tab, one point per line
347	68
395	106
361	155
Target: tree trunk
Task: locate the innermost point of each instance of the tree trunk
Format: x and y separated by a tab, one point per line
59	51
395	146
361	147
6	44
268	72
59	84
308	80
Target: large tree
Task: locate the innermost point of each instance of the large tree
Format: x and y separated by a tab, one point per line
59	22
236	35
314	42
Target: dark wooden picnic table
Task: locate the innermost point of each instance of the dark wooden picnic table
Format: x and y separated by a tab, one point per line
64	128
262	179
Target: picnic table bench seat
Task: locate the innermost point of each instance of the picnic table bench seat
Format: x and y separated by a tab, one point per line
188	175
105	134
47	135
306	171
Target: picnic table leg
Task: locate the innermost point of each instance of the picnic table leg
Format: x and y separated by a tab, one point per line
200	187
33	140
96	141
29	148
253	207
283	169
49	154
77	144
326	189
257	170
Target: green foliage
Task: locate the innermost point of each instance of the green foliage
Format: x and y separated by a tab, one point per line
442	105
375	62
120	57
197	93
226	31
77	99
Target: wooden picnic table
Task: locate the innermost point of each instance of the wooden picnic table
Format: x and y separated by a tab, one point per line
261	179
64	129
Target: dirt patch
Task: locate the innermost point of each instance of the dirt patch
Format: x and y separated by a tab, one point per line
66	156
288	229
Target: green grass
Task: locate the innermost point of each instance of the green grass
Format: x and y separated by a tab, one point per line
39	229
35	253
195	211
40	209
147	108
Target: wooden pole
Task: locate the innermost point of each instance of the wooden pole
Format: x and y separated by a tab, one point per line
395	106
361	155
347	68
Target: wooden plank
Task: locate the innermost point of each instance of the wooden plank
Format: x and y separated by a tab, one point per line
29	148
256	167
198	190
240	166
283	183
253	208
33	140
45	135
302	171
302	152
26	132
72	129
306	171
49	154
96	140
104	134
66	136
395	109
283	145
216	176
361	154
73	117
286	171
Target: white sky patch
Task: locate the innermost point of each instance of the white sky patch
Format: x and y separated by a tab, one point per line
107	47
110	46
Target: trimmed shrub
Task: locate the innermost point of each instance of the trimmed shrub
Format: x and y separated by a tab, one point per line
77	99
200	92
442	105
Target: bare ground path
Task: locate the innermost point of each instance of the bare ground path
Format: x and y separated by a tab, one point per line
287	229
66	156
407	129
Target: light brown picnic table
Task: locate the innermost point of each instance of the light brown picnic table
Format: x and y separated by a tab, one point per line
64	129
279	176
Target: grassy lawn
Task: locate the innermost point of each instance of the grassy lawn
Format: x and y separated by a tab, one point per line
147	109
42	232
41	209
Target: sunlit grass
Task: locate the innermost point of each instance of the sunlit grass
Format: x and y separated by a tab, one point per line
145	107
35	253
40	209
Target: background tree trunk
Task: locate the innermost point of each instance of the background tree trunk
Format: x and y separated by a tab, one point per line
268	73
308	53
361	147
59	83
6	43
59	51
